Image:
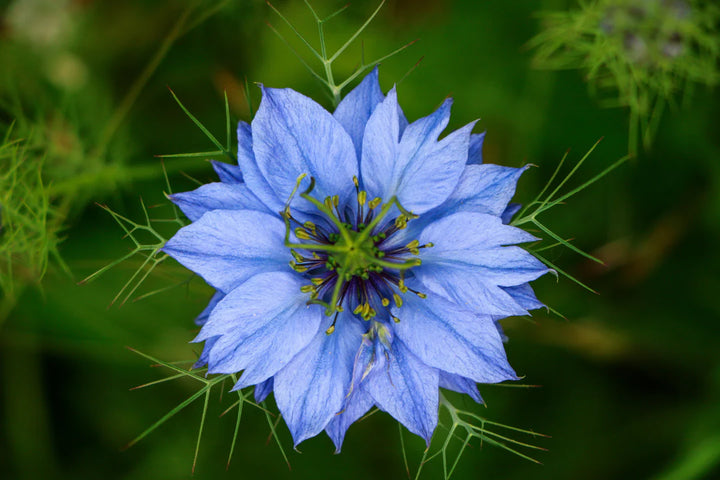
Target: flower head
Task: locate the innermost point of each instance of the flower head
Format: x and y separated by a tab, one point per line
359	261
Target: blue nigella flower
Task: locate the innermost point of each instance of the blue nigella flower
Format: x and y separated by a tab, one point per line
359	261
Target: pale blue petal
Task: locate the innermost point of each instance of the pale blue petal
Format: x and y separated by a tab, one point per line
445	336
356	405
226	247
217	196
293	135
524	296
469	288
356	107
205	314
380	147
475	243
460	384
312	388
358	401
227	173
483	189
406	388
420	170
262	390
510	212
252	175
262	324
475	149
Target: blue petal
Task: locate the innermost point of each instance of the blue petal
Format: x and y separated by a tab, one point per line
406	388
469	288
252	175
217	196
483	189
358	401
226	247
355	109
205	355
311	389
475	243
380	147
510	212
293	135
227	173
460	384
475	149
356	405
445	336
524	296
420	170
262	390
260	331
205	314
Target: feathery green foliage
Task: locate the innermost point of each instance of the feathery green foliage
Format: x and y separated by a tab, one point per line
644	53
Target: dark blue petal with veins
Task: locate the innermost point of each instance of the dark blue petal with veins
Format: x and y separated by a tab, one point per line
420	170
406	388
356	107
311	389
262	390
510	212
226	247
293	135
205	355
252	175
448	337
475	150
460	384
227	173
258	332
217	196
205	314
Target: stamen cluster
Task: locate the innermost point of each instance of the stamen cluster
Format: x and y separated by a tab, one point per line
348	259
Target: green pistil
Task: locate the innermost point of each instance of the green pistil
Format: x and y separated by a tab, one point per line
350	253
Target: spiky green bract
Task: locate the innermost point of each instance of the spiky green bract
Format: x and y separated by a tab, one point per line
644	53
326	75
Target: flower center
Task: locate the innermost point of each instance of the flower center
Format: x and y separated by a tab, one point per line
349	257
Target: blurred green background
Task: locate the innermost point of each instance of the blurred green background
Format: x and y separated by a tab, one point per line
629	383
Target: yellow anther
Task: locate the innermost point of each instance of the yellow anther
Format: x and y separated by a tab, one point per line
358	309
302	234
362	197
385	302
395	319
339	308
307	288
317	280
297	268
398	300
421	295
336	200
330	330
310	226
374	202
401	222
413	247
355	181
